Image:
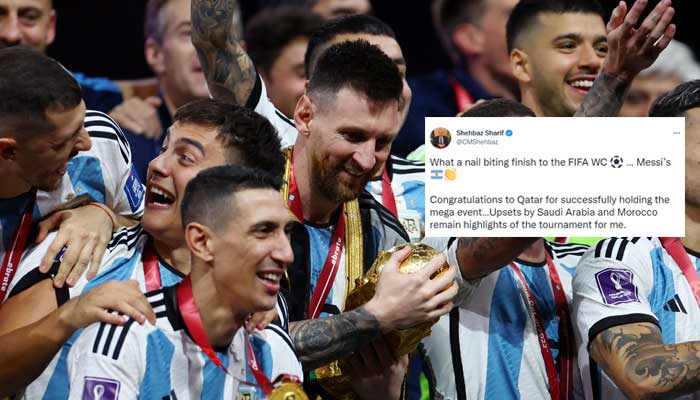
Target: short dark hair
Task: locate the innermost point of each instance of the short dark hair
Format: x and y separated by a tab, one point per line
360	66
32	84
675	103
448	14
208	195
525	14
348	24
271	29
153	22
498	108
248	137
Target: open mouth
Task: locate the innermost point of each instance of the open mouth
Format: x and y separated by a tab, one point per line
159	197
270	280
581	85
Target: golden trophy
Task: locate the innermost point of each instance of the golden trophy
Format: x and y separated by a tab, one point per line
400	342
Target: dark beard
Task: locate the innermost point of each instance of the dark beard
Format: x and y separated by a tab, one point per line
324	180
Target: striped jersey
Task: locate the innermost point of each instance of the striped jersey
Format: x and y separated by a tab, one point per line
159	362
629	280
487	346
122	261
262	105
103	174
408	184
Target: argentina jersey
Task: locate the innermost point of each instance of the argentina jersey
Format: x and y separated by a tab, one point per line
122	261
408	184
163	362
624	281
102	174
320	242
261	104
487	346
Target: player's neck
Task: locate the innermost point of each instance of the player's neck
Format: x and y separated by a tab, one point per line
317	209
692	228
12	185
535	253
177	257
491	82
527	98
220	322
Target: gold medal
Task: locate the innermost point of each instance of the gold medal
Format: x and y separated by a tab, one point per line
288	391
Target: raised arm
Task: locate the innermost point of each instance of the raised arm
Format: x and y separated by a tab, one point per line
630	51
479	256
636	359
217	36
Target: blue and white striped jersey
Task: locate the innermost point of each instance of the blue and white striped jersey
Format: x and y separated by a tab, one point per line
163	362
258	101
408	184
628	280
104	173
122	261
487	347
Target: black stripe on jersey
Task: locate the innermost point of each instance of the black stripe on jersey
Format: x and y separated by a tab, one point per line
621	250
128	236
122	337
158	303
108	341
617	320
281	333
450	241
595	378
460	385
115	133
569	253
254	97
599	248
161	314
96	345
680	303
408	171
610	247
385	216
567	246
635	240
398	161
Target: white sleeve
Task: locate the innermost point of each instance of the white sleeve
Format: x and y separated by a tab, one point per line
611	287
262	105
111	376
284	357
29	262
124	192
448	246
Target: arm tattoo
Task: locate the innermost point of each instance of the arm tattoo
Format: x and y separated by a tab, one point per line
649	369
321	341
216	35
605	97
479	256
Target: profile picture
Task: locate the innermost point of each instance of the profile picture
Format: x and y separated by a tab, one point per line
440	137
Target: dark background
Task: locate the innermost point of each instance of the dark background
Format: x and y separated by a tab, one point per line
105	37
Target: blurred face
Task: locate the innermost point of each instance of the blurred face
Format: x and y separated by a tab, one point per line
565	53
252	253
493	26
286	79
335	8
43	159
692	157
350	140
175	60
29	23
391	48
644	90
187	149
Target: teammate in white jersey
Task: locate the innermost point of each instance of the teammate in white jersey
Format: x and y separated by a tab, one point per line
236	228
206	133
636	299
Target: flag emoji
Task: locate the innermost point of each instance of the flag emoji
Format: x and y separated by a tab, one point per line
450	174
435	174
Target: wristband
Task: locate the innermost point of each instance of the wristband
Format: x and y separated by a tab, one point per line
108	212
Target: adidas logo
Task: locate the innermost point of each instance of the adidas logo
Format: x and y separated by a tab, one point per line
675	305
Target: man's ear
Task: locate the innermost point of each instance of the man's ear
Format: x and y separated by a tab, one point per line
520	65
154	56
468	39
8	149
51	31
199	240
304	114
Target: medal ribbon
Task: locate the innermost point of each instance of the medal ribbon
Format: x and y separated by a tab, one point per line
335	252
463	98
559	389
17	245
675	249
151	269
388	199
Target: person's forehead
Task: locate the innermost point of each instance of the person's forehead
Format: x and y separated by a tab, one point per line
189	133
386	44
44	5
588	25
261	204
174	13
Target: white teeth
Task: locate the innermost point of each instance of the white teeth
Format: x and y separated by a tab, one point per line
582	84
271	277
160	192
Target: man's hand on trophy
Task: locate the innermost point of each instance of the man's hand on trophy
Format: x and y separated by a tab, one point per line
375	373
406	300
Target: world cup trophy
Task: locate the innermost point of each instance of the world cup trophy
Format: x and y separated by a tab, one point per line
332	377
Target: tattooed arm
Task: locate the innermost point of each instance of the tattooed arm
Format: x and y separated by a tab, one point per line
321	341
479	256
630	51
636	359
216	34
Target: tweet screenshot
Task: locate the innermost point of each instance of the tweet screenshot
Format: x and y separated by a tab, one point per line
555	177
